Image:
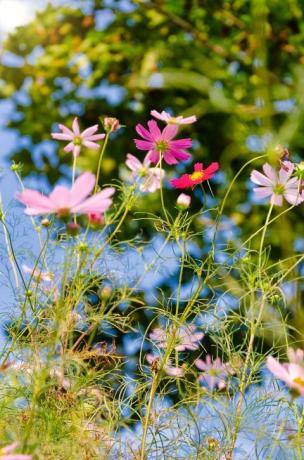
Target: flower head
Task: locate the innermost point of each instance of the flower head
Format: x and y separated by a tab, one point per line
63	201
96	218
6	453
151	177
168	368
277	185
165	116
214	372
186	337
111	124
291	373
77	139
198	176
183	201
162	144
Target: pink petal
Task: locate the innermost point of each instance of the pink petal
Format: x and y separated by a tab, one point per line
189	120
262	192
66	130
259	179
75	127
154	130
34	199
293	198
10	448
91	145
169	132
164	116
69	147
82	187
96	137
180	154
60	197
133	163
270	172
181	143
153	156
277	200
62	136
277	369
170	158
96	203
89	131
143	132
143	145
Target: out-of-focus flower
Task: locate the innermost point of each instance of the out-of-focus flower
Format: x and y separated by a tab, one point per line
111	124
63	201
96	218
168	368
183	201
77	139
291	373
150	177
162	144
214	372
73	228
6	453
186	337
165	116
37	274
198	176
278	184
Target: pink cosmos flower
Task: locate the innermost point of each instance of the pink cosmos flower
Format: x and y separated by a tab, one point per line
165	116
6	453
161	143
277	185
77	139
214	372
151	176
197	177
63	201
168	368
291	373
186	337
96	218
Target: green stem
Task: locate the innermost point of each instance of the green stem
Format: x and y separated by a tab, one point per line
100	161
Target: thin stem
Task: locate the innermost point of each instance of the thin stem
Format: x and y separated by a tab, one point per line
100	161
147	416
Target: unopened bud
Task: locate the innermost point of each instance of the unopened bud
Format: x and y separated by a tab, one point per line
183	201
96	218
111	124
73	228
45	223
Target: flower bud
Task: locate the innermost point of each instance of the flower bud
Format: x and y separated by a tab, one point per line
73	228
111	124
45	223
183	201
95	218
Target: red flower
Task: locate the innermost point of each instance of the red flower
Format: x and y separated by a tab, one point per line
198	176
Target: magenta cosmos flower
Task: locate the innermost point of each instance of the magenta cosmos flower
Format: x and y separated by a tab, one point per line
278	184
150	177
214	372
154	361
186	337
162	144
198	176
6	453
63	201
166	117
77	139
291	373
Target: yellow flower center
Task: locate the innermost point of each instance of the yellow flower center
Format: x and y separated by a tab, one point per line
299	381
197	175
77	141
161	146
